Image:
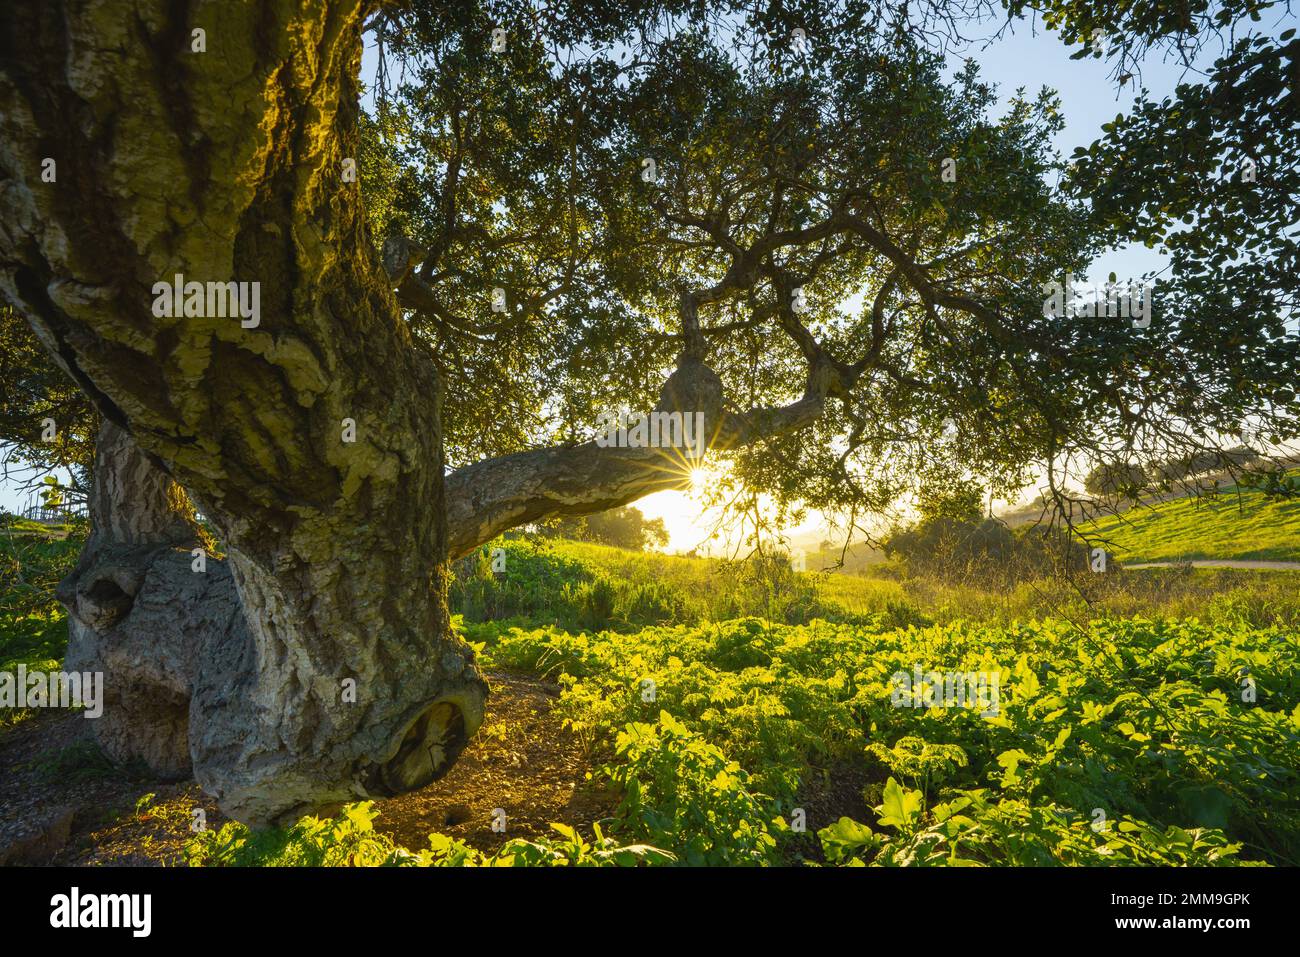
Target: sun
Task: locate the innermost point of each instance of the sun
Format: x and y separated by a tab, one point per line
687	518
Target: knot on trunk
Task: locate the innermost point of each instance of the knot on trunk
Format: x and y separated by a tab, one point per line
399	256
104	602
101	594
428	746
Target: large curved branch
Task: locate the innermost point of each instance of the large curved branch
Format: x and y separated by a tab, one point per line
495	495
492	496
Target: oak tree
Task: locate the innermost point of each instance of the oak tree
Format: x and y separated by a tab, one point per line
791	223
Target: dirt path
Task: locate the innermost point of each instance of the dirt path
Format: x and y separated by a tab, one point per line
1220	563
62	803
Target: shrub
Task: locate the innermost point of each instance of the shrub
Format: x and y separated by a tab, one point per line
987	552
681	792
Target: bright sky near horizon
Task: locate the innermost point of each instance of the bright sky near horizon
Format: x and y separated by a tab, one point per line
1018	59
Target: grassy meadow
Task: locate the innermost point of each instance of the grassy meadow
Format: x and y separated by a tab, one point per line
1236	523
32	627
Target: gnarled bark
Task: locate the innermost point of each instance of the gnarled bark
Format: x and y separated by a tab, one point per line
221	166
136	611
166	626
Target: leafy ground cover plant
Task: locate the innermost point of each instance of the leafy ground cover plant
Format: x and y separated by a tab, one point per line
1147	724
350	840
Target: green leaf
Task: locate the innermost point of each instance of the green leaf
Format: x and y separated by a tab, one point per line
901	807
845	837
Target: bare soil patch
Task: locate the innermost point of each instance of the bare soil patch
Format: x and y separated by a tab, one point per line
62	802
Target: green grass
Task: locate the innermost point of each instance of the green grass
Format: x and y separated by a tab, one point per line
350	840
1244	526
582	587
585	586
33	626
23	527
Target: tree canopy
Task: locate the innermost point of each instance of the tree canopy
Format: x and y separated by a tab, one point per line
853	241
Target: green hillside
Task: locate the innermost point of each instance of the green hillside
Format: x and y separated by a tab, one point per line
1229	526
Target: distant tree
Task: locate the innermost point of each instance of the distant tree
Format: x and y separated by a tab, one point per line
1209	461
983	550
46	422
623	527
1111	479
961	501
955	540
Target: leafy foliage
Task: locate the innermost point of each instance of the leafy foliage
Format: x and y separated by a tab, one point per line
32	629
1142	719
32	390
1276	484
542	582
350	840
984	551
683	792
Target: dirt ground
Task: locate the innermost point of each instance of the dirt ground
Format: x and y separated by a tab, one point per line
522	761
61	802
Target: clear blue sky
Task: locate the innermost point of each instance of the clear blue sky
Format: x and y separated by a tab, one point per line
1023	59
1089	97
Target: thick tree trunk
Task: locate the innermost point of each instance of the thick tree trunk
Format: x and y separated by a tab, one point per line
162	619
227	165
